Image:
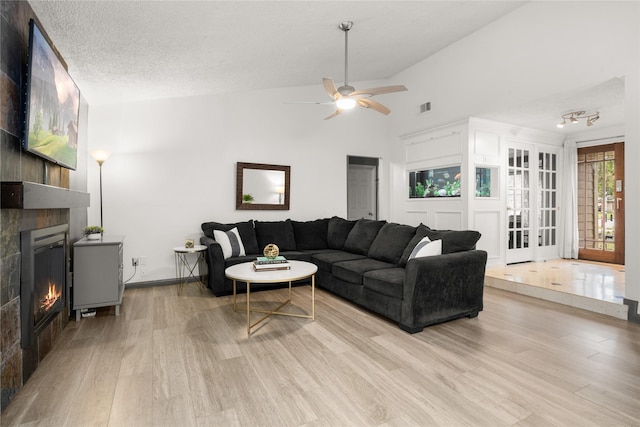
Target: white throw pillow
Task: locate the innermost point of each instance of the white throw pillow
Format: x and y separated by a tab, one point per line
230	242
426	247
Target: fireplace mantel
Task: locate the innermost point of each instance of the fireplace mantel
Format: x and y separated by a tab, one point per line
29	195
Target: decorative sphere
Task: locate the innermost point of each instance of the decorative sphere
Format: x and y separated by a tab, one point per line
271	251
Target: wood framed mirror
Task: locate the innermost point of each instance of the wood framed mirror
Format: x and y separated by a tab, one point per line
262	187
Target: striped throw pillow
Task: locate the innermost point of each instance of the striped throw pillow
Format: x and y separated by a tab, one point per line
230	242
426	247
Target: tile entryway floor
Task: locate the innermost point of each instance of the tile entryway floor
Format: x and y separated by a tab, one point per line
592	286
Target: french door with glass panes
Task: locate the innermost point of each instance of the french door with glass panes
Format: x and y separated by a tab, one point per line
532	215
601	203
547	204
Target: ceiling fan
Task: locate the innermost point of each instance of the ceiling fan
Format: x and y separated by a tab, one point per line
347	97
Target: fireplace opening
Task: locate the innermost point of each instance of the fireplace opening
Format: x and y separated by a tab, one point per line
43	279
48	283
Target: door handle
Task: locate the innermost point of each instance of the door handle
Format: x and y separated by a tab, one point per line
618	200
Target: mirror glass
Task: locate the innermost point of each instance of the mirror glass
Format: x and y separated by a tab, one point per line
261	186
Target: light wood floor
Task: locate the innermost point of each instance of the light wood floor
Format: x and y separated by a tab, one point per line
186	361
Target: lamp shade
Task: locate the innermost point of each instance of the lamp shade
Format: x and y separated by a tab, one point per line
100	156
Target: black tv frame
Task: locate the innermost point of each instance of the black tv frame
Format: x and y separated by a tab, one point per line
52	105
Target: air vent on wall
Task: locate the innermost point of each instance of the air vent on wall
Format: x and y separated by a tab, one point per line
423	108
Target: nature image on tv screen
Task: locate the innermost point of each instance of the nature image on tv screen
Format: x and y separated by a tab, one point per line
54	101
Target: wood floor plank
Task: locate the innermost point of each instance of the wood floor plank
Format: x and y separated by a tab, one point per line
187	360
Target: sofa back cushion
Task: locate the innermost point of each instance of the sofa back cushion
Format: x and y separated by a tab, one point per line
452	241
338	230
278	232
362	236
245	229
391	241
311	234
455	240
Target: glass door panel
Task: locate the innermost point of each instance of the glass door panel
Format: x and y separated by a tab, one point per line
518	205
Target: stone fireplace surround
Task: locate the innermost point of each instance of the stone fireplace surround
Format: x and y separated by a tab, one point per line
17	166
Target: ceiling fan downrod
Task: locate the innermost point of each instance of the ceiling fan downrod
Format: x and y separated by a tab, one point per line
345	90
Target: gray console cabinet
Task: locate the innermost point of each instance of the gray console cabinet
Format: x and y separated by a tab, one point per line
97	273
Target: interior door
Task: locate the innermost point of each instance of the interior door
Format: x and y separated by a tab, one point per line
519	195
362	190
547	203
601	203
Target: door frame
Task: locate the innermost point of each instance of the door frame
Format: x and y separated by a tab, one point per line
618	255
366	161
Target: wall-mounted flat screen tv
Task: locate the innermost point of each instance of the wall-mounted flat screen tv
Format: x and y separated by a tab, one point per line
53	104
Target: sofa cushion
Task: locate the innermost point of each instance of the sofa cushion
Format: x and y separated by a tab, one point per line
388	281
421	232
311	234
278	232
391	241
352	271
230	242
362	236
245	229
455	240
337	232
325	260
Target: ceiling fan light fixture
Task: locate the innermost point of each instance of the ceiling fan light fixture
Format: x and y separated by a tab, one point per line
561	125
346	103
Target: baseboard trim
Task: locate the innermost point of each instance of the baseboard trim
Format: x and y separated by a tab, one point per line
152	283
632	315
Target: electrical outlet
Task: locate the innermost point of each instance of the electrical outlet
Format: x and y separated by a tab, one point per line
135	262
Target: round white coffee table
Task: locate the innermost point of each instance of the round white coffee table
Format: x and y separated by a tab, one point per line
245	273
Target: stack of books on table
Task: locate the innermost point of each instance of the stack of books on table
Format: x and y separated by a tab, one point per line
270	264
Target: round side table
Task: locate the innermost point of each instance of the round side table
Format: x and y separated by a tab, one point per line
184	269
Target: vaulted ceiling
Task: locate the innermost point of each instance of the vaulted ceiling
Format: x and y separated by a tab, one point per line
134	50
122	51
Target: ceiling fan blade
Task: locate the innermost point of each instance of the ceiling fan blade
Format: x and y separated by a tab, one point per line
370	103
338	111
380	90
329	87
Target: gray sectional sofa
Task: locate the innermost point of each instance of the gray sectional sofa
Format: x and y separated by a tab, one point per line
367	262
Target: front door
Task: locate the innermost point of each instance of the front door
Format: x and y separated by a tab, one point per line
601	203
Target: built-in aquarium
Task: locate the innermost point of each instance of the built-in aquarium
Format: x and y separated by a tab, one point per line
440	182
486	181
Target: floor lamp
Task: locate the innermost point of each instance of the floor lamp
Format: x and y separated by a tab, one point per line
100	156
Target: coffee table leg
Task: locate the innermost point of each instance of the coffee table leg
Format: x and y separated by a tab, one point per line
313	297
235	307
248	308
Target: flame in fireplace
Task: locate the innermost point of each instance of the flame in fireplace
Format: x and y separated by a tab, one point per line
50	298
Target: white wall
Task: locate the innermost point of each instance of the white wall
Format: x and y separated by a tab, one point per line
538	50
173	164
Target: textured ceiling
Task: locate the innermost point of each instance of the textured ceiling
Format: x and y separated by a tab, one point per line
120	51
607	98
